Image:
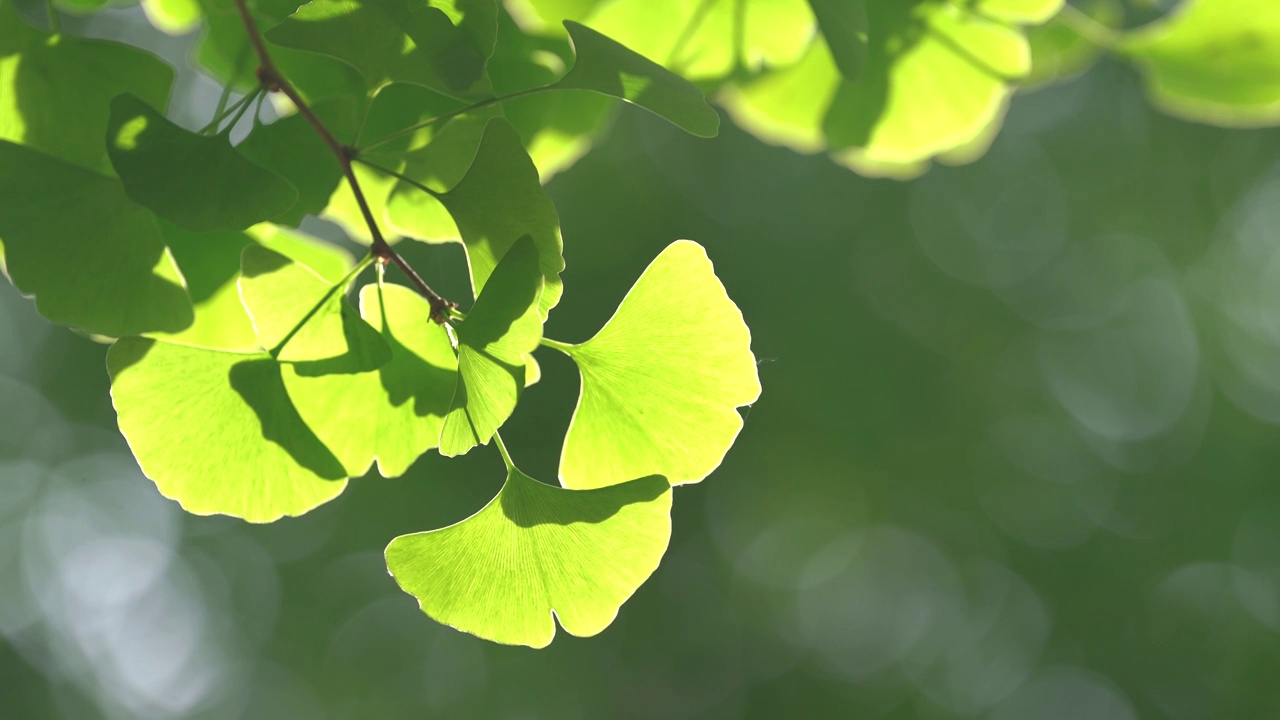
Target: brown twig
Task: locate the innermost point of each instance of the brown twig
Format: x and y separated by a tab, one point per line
270	78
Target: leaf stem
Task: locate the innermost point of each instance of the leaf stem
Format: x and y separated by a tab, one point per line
269	77
341	286
224	113
450	115
241	109
566	348
1086	27
55	18
398	175
502	448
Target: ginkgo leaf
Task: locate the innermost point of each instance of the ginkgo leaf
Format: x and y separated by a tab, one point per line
493	341
712	38
210	262
291	148
1022	12
1059	51
300	317
536	551
199	183
936	78
787	107
1214	62
55	91
662	380
216	431
387	40
844	25
610	68
173	17
397	409
500	201
477	19
92	259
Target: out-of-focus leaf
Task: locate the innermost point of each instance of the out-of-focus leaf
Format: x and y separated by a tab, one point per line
92	258
1058	51
199	183
536	551
1212	61
56	91
844	25
216	431
174	17
662	380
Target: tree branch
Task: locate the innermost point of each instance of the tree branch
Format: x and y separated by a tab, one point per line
271	79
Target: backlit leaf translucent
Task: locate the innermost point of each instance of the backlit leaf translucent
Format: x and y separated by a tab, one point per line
844	25
493	341
92	258
1058	51
55	91
1214	61
199	183
301	317
662	380
210	263
216	431
608	67
501	201
175	17
534	551
387	40
392	414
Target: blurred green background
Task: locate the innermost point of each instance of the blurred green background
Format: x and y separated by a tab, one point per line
1015	458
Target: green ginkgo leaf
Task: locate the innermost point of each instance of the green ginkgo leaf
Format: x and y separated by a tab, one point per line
291	148
400	406
477	19
499	332
173	17
500	201
1215	62
55	91
300	317
387	40
216	431
1059	51
92	259
610	68
198	183
210	262
662	380
536	551
787	107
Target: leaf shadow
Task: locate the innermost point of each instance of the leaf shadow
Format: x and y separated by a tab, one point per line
529	503
259	383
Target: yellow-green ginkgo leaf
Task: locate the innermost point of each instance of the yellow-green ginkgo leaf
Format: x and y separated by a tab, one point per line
500	201
534	552
662	380
215	431
392	414
199	183
300	317
1213	61
92	259
499	332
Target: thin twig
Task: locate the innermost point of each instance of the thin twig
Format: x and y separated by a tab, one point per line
271	79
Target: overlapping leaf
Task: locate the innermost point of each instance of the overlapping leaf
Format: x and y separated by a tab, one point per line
1216	62
216	431
394	413
389	40
92	258
55	91
199	183
500	201
499	332
662	380
534	551
300	317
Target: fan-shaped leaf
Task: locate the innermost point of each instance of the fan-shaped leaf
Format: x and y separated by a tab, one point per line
534	551
844	25
493	341
392	414
662	379
92	258
198	183
216	431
